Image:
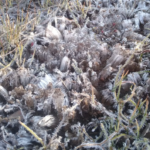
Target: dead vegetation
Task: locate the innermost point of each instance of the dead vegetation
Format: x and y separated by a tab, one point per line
74	74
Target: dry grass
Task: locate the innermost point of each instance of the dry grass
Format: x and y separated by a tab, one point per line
11	35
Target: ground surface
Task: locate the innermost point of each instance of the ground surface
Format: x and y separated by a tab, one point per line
74	74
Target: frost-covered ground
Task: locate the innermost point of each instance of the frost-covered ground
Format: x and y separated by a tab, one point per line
76	73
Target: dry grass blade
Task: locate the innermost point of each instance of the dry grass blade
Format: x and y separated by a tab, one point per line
134	112
33	133
138	129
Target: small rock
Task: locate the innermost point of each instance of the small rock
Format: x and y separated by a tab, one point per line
47	121
52	32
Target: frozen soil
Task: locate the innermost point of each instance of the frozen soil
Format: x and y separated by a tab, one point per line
76	73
